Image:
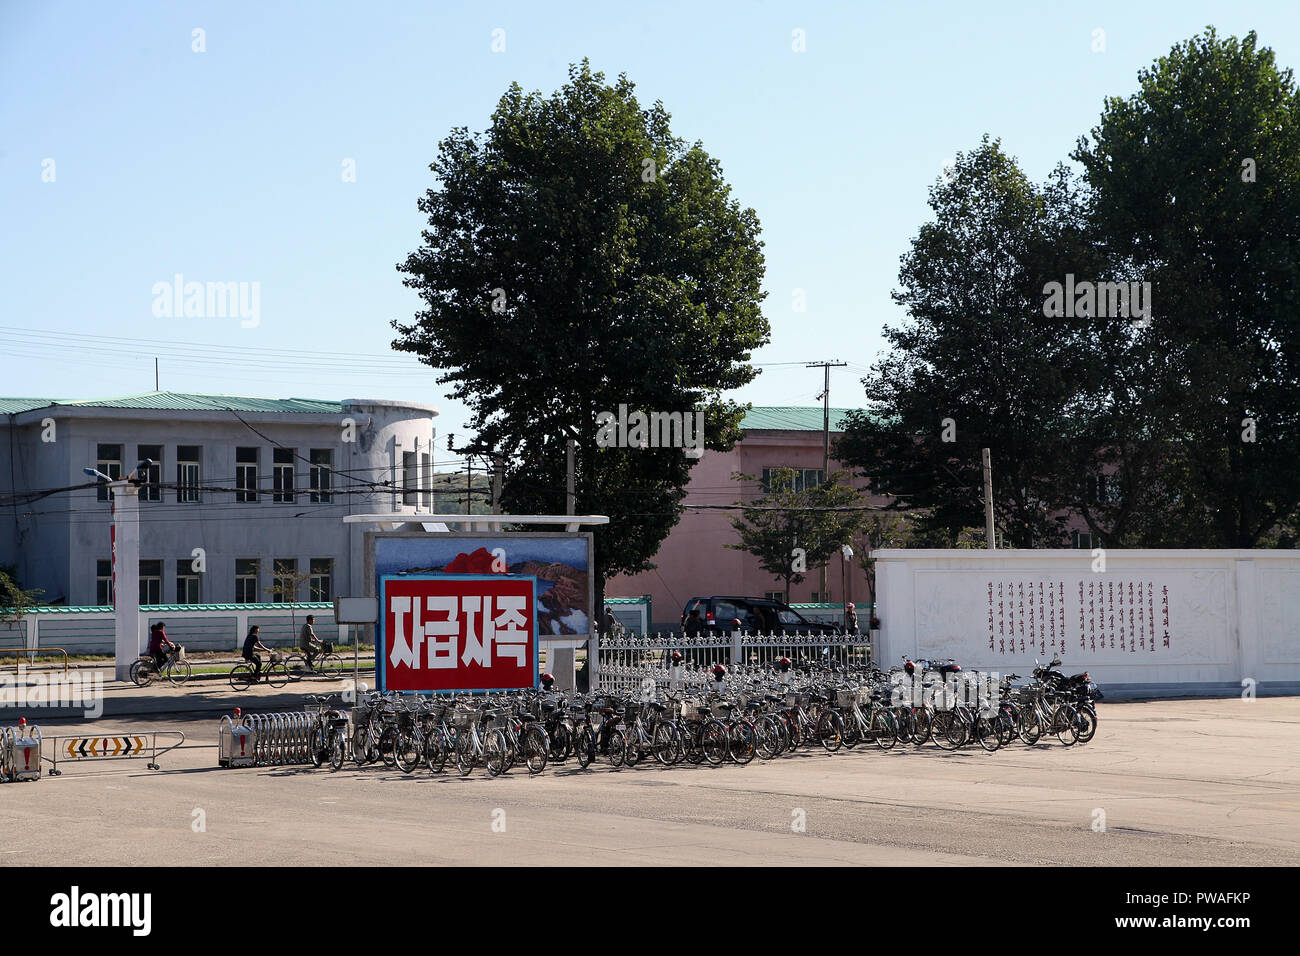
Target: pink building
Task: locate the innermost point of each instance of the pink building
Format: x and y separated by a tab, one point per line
693	561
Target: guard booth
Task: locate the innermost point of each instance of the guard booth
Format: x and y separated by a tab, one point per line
477	609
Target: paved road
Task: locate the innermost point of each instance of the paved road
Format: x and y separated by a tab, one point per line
1180	782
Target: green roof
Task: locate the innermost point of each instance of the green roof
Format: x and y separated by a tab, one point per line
180	401
12	406
791	418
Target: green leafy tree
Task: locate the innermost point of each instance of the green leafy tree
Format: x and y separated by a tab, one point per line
579	257
977	363
904	529
783	519
14	598
1195	182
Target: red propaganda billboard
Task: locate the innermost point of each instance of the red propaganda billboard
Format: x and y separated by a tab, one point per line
458	632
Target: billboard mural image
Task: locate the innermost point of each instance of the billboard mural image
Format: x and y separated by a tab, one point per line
467	612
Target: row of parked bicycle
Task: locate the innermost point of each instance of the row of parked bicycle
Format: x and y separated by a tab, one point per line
764	712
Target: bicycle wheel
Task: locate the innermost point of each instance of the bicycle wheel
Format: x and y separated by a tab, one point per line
329	665
315	748
277	675
142	674
852	735
940	726
664	742
617	748
586	747
692	751
388	747
632	756
360	744
561	742
1087	723
435	753
408	751
767	739
338	750
465	753
741	739
883	729
830	731
295	666
241	676
923	729
536	749
904	724
495	757
714	741
986	733
178	672
1065	724
1031	727
1006	725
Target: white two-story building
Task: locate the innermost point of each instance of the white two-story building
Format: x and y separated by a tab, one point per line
245	499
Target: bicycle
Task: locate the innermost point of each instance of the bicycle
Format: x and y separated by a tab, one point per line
326	664
327	739
476	741
175	669
274	673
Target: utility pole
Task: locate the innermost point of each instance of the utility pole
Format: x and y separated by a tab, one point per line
570	499
498	475
826	434
469	483
988	500
155	373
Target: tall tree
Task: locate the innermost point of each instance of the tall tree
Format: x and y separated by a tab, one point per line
579	257
790	529
977	363
1195	183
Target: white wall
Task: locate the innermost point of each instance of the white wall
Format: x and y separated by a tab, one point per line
1232	615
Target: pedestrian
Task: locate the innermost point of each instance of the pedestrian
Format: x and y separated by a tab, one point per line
850	619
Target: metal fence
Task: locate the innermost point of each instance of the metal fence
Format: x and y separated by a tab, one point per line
627	662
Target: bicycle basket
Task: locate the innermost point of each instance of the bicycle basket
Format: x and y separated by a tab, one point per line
327	647
461	719
722	709
180	652
845	698
792	700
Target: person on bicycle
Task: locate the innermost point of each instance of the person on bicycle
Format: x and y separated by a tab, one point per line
159	645
253	644
308	643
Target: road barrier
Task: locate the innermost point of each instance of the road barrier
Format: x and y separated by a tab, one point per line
32	653
20	752
627	664
111	746
264	740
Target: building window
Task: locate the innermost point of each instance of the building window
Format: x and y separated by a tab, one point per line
804	479
1083	539
322	573
246	474
426	477
1102	489
774	595
246	581
187	582
151	582
410	479
322	462
187	473
104	583
151	490
109	463
284	583
282	475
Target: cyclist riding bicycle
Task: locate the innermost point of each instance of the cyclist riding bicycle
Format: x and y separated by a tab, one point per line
308	643
252	644
159	645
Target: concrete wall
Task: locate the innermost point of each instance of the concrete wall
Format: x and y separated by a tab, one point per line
1153	622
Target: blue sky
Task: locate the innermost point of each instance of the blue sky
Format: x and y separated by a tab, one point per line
226	165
